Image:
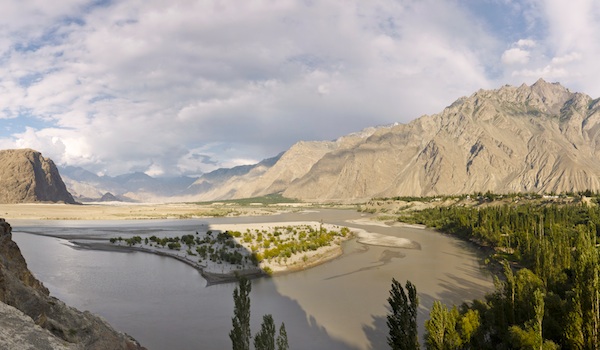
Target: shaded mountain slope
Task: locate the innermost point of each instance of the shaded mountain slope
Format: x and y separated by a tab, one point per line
26	176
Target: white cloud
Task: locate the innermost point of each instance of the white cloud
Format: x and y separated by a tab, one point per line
181	86
568	58
567	45
526	43
515	56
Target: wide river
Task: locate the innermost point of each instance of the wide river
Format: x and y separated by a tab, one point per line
166	304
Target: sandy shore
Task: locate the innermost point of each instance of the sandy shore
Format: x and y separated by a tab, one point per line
128	211
211	274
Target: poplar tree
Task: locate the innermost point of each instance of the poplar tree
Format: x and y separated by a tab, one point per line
265	338
402	321
282	340
240	334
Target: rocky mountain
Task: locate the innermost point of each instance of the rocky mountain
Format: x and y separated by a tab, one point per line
31	319
87	186
275	174
538	138
26	176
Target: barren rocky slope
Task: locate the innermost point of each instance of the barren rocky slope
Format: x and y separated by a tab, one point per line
26	176
31	319
539	138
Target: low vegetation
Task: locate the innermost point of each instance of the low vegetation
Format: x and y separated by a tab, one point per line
270	199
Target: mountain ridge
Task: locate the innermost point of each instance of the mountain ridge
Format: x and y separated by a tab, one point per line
539	138
482	142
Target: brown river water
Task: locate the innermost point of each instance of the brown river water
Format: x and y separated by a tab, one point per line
166	304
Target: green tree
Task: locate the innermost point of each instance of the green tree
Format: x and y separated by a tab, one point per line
402	321
442	331
282	340
265	338
435	327
240	334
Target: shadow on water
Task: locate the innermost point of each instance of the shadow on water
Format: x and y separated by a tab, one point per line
457	289
185	315
378	331
304	331
384	259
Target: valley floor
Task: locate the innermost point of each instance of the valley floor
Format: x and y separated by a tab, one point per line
129	211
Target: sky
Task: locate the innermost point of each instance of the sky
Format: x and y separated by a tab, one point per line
183	87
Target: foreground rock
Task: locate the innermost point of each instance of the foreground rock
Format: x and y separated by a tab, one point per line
26	176
33	319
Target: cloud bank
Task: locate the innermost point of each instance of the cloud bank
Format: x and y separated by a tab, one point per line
182	87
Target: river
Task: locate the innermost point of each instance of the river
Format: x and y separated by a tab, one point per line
166	304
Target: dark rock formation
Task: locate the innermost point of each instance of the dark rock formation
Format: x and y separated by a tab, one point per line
26	176
61	326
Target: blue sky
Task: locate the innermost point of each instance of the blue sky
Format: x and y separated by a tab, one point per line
184	87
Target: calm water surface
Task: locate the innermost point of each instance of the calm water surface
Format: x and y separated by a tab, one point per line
166	304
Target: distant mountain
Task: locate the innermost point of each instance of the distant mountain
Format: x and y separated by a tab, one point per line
87	186
26	176
273	175
538	138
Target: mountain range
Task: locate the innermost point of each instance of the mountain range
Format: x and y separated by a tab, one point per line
541	138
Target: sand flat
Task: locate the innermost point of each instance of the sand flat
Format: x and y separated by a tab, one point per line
125	211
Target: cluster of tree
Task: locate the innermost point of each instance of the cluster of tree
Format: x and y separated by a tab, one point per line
219	248
241	335
550	296
297	240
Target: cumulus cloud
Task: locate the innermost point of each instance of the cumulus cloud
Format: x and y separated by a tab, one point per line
526	43
185	87
149	86
566	47
515	56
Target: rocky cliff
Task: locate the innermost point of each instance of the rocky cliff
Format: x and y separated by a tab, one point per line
31	319
26	176
540	138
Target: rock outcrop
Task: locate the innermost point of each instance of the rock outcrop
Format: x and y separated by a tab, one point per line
33	319
26	176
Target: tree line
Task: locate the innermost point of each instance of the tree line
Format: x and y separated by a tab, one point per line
549	297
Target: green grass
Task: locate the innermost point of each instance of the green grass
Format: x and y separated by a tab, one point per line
274	198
